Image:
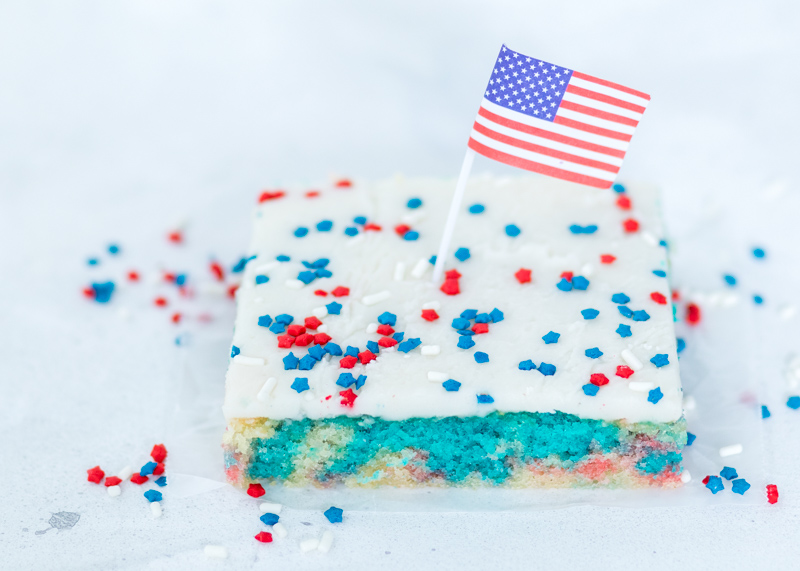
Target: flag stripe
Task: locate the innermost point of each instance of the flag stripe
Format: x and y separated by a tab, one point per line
605	83
597	113
604	98
595	122
537	167
540	158
523	136
592	129
553	131
596	87
548	151
600	106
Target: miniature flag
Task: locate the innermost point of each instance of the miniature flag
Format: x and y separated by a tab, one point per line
555	121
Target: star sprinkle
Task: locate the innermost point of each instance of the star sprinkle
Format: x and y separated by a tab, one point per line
620	298
740	486
598	379
481	357
485	399
429	315
660	360
590	390
624	330
655	395
526	365
714	483
589	313
624	371
729	473
333	514
593	353
300	384
451	385
476	209
96	475
551	337
547	369
462	254
523	276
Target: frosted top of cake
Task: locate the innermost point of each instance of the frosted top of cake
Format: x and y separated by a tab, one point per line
559	302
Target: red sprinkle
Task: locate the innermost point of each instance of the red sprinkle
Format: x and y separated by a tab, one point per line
658	298
159	469
321	292
312	322
340	291
133	276
401	229
387	342
347	362
598	379
624	371
523	276
304	339
295	330
312	194
430	315
175	237
630	225
137	478
705	480
607	259
88	292
452	275
285	341
692	314
450	287
343	183
158	453
176	318
372	226
217	270
567	276
479	328
267	195
255	490
96	475
772	493
232	291
264	537
321	338
348	398
624	202
169	277
385	330
160	301
366	356
112	481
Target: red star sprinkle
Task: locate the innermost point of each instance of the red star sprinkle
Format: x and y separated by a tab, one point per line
624	372
321	338
607	259
320	292
692	314
133	276
772	493
523	276
658	298
285	341
598	379
430	315
630	225
705	480
168	277
372	226
624	202
217	270
267	195
137	478
348	398
312	194
88	292
343	183
452	275
385	330
160	302
567	276
96	475
366	356
304	340
176	237
112	481
255	490
158	453
401	229
312	322
387	342
264	537
479	328
295	330
340	291
176	318
450	287
347	362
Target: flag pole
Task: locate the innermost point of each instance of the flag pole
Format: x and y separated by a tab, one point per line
455	206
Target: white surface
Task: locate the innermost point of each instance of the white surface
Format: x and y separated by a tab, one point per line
121	120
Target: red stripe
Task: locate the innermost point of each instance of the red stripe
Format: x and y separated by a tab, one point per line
592	129
605	83
522	127
537	167
544	150
599	114
604	98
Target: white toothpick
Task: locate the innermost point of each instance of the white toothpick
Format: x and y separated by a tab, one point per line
455	206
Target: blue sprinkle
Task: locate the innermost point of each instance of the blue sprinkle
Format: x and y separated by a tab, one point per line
690	438
270	518
161	482
589	313
640	315
180	279
715	484
300	232
261	279
547	369
759	252
564	285
793	402
411	235
467	332
307	363
333	349
729	473
551	337
306	277
373	346
323	273
663	243
590	390
283	258
476	209
351	351
451	385
624	330
147	469
333	514
398	335
334	308
481	357
408	345
239	267
320	263
620	298
432	260
758	300
360	220
387	318
625	310
526	365
290	362
113	249
740	486
580	282
660	273
460	323
462	254
324	226
153	495
300	384
496	315
234	351
729	279
469	313
660	360
278	328
345	380
593	353
317	351
681	344
655	395
414	203
351	231
512	230
103	291
93	261
483	318
465	342
765	413
485	399
284	318
360	381
576	229
616	187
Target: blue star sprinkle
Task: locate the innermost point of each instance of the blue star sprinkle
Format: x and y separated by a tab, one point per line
409	344
547	369
526	365
414	203
740	486
300	384
290	362
261	279
624	330
620	298
660	273
589	313
715	484
564	285
234	351
411	236
759	252
729	279
485	399
387	318
593	353
333	514
640	315
765	413
655	395
496	315
576	229
551	337
580	282
269	518
481	357
324	226
451	385
334	308
153	496
590	390
660	360
512	230
690	438
300	232
729	473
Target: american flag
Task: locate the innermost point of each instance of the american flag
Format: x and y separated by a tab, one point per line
555	121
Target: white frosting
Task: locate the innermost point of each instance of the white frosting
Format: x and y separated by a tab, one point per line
387	273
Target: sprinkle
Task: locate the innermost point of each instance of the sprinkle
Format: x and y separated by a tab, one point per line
660	360
526	365
512	230
153	496
658	298
686	477
267	195
264	537
161	482
460	323
631	359
681	344
641	386
593	353
551	337
598	379
547	369
690	438
640	315
476	209
334	308
624	330
730	450
300	384
692	314
607	259
96	475
485	399
333	514
630	225
376	297
114	491
576	229
465	342
729	473
624	372
420	268
714	484
624	203
409	344
496	315
102	291
148	468
366	357
387	318
324	226
309	544
620	298
437	377
740	486
111	481
765	413
590	389
617	187
625	310
300	232
351	231
660	273
325	542
234	351
176	237
429	315
429	350
279	530
270	518
772	493
139	479
307	362
758	300
580	283
290	362
793	402
125	473
759	252
589	313
411	236
451	385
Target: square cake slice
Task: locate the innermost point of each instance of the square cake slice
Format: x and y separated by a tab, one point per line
546	357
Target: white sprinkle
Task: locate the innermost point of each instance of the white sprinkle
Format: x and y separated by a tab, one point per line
631	360
399	270
309	544
430	350
114	491
419	270
279	530
374	298
266	390
125	473
431	305
271	508
215	551
295	284
322	328
320	312
372	328
787	311
731	450
689	403
326	542
436	377
587	270
649	238
686	477
641	386
413	218
155	509
243	360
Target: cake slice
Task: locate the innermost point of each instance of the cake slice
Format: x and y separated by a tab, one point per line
545	358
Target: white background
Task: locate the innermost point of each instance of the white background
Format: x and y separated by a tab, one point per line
117	119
